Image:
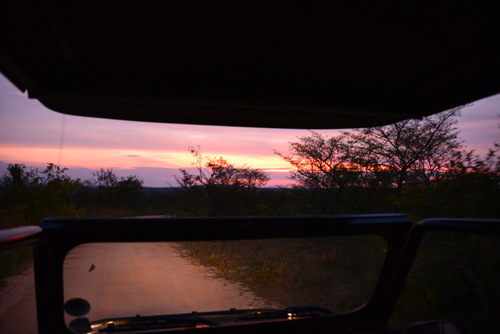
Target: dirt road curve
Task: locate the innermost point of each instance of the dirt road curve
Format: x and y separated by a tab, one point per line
130	279
17	304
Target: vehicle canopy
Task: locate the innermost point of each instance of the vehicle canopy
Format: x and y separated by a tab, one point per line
285	64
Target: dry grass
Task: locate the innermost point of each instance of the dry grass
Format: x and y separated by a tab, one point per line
338	273
13	262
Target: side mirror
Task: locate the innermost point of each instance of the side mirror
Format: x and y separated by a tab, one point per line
435	327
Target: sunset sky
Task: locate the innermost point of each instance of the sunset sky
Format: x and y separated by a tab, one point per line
34	135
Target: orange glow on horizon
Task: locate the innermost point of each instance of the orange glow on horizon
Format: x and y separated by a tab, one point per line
95	158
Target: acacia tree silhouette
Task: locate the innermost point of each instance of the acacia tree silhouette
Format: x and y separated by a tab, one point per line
220	184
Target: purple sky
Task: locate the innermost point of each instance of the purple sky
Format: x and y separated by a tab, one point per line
31	134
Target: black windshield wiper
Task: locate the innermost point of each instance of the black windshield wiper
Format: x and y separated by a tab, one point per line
155	322
139	323
195	319
286	313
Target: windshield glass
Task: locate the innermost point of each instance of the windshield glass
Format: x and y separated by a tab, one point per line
455	277
126	279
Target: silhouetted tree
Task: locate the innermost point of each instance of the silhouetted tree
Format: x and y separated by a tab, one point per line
326	163
385	157
469	188
224	184
113	190
411	150
215	172
104	178
28	195
129	189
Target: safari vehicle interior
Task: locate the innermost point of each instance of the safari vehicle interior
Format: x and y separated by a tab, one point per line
284	64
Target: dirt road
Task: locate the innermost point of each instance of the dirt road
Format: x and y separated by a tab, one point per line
17	304
142	278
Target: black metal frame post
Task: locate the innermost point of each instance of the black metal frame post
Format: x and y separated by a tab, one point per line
469	226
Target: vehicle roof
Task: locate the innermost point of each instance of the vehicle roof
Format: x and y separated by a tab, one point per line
281	64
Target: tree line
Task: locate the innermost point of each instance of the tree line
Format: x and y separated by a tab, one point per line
415	166
27	195
409	160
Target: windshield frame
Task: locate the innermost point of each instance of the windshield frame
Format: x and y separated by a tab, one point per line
60	235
